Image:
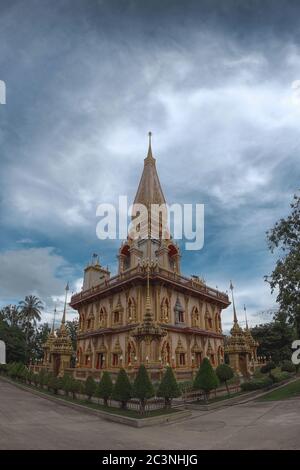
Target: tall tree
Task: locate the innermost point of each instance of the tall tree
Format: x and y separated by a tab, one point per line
14	339
37	339
31	309
284	237
72	327
274	338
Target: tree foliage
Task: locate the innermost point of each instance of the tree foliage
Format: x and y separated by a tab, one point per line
122	390
168	387
275	339
224	373
105	387
90	387
284	237
142	387
20	331
206	378
15	341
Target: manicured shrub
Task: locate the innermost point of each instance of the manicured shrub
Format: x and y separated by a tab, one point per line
206	378
224	373
66	384
105	388
268	367
15	370
168	388
258	374
288	366
54	384
35	379
74	387
31	377
185	385
42	378
142	387
256	384
90	387
277	375
81	387
122	390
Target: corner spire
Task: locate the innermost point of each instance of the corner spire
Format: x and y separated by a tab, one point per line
233	304
63	321
245	310
53	323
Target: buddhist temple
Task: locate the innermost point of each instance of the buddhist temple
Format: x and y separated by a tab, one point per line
149	312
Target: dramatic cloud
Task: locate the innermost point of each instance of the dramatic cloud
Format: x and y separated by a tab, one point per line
216	82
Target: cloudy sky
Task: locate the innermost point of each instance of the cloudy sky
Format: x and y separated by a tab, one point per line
217	82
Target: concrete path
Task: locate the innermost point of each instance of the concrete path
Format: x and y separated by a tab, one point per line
30	422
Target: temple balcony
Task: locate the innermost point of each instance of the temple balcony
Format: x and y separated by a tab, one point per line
187	284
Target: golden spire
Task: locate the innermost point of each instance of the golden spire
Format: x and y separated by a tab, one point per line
149	190
63	321
246	317
53	323
233	304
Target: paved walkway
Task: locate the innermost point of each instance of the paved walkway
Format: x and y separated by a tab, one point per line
31	422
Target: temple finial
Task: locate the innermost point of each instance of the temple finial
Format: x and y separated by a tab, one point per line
233	304
63	321
245	310
149	154
53	324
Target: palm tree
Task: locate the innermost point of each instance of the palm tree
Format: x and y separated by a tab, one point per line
30	309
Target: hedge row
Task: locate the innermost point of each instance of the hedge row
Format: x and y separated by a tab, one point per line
269	374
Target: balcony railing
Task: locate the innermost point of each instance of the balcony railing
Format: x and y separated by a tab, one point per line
157	271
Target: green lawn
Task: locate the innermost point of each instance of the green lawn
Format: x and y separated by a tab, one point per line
290	390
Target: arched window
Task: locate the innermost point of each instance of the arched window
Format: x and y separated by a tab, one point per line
118	312
179	312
